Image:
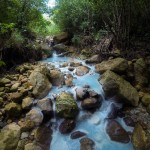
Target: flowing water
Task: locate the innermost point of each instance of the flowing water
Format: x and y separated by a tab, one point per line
93	124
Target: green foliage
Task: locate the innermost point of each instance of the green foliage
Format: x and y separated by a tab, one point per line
2	63
125	19
6	28
75	15
16	39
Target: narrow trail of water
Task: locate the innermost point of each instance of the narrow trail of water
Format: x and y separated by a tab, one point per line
93	124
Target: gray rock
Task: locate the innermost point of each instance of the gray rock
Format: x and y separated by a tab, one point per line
46	106
4	81
82	70
140	72
39	80
14	87
114	85
24	135
27	103
86	144
10	135
35	116
56	77
82	93
139	138
13	110
91	103
32	146
118	65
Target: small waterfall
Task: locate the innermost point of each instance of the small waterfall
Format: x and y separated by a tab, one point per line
54	54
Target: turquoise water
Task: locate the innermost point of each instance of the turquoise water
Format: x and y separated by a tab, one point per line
92	124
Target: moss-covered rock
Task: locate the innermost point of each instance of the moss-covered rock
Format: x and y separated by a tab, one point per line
4	81
117	65
32	146
139	139
66	106
13	110
40	82
115	85
146	99
16	97
62	37
56	77
9	137
141	73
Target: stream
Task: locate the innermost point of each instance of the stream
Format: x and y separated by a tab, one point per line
93	124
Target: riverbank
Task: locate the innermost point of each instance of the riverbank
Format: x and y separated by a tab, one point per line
28	101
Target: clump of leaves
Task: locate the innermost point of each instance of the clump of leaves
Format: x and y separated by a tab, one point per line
2	63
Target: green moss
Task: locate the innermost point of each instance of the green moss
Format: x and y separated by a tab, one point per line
66	106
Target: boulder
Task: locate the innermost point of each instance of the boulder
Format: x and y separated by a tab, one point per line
13	110
116	132
114	85
139	138
32	146
82	93
91	103
77	134
82	70
117	65
66	106
60	38
86	144
27	103
60	48
140	72
35	116
26	125
43	137
113	111
93	59
40	82
146	99
10	136
46	106
75	64
67	126
56	77
16	97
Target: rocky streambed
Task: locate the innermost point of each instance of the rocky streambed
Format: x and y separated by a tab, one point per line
64	103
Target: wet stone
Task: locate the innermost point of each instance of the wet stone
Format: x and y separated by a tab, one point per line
67	126
86	144
129	121
77	134
116	132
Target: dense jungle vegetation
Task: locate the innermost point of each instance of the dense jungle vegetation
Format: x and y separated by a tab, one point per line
22	22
